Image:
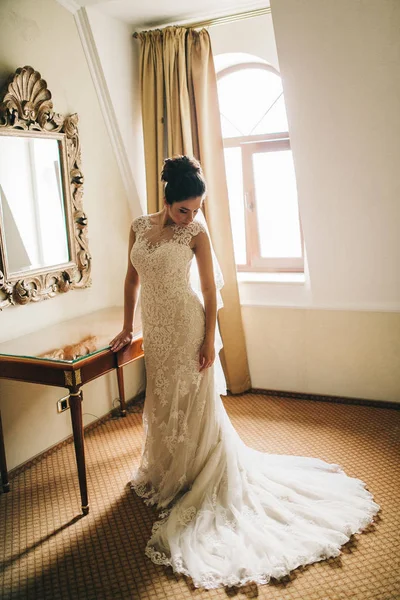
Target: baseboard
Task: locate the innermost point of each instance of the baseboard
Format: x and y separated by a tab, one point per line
325	398
135	401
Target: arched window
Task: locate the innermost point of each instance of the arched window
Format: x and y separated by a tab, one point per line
259	166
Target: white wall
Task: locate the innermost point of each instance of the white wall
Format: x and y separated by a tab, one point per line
340	68
340	64
253	36
339	353
119	59
44	35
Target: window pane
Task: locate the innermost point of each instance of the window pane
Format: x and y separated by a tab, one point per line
275	120
277	208
228	130
234	177
244	98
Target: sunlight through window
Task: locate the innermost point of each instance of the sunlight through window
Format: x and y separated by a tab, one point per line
259	166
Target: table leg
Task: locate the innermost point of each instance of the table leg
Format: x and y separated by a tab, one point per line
75	403
121	390
3	462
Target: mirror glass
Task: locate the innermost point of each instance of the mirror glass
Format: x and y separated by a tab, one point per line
32	204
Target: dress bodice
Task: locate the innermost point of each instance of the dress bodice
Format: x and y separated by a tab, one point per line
163	258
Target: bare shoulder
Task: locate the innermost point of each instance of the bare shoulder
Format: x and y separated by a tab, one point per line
200	239
154	218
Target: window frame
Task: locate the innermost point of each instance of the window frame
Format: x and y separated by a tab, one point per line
250	145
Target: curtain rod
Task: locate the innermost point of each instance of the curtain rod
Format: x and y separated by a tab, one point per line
218	20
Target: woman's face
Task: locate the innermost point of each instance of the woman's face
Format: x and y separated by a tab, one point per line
183	213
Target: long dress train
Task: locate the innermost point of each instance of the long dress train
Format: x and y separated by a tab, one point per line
230	514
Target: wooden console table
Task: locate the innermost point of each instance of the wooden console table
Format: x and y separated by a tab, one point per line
22	359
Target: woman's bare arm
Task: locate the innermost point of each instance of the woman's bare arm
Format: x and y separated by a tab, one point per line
131	292
202	251
131	287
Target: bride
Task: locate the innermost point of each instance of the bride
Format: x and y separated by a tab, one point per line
230	515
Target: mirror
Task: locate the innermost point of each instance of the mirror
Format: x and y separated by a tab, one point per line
32	203
43	229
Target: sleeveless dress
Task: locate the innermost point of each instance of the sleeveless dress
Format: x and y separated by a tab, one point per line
230	515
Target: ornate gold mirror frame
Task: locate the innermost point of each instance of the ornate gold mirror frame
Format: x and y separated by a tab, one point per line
26	110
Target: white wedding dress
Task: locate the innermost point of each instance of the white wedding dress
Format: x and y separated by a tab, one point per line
231	515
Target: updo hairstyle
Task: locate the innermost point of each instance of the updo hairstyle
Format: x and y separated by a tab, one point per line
183	179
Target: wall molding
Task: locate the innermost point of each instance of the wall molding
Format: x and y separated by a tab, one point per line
70	5
106	106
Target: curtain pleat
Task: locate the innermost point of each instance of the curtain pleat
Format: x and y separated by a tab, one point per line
153	102
190	102
179	134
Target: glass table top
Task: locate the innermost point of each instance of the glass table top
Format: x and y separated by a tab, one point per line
71	340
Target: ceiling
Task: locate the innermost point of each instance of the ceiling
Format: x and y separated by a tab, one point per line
150	13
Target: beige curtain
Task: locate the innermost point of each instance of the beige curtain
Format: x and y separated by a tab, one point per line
152	86
179	89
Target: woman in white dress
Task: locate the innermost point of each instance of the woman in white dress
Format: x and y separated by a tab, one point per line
229	514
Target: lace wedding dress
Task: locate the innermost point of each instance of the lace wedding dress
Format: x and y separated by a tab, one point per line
231	515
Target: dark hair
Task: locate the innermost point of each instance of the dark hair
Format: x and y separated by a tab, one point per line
183	179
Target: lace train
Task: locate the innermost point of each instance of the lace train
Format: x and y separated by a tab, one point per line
217	546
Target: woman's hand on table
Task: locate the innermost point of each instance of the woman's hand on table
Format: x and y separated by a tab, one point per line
122	339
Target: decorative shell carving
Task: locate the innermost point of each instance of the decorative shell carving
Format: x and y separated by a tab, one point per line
27	106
